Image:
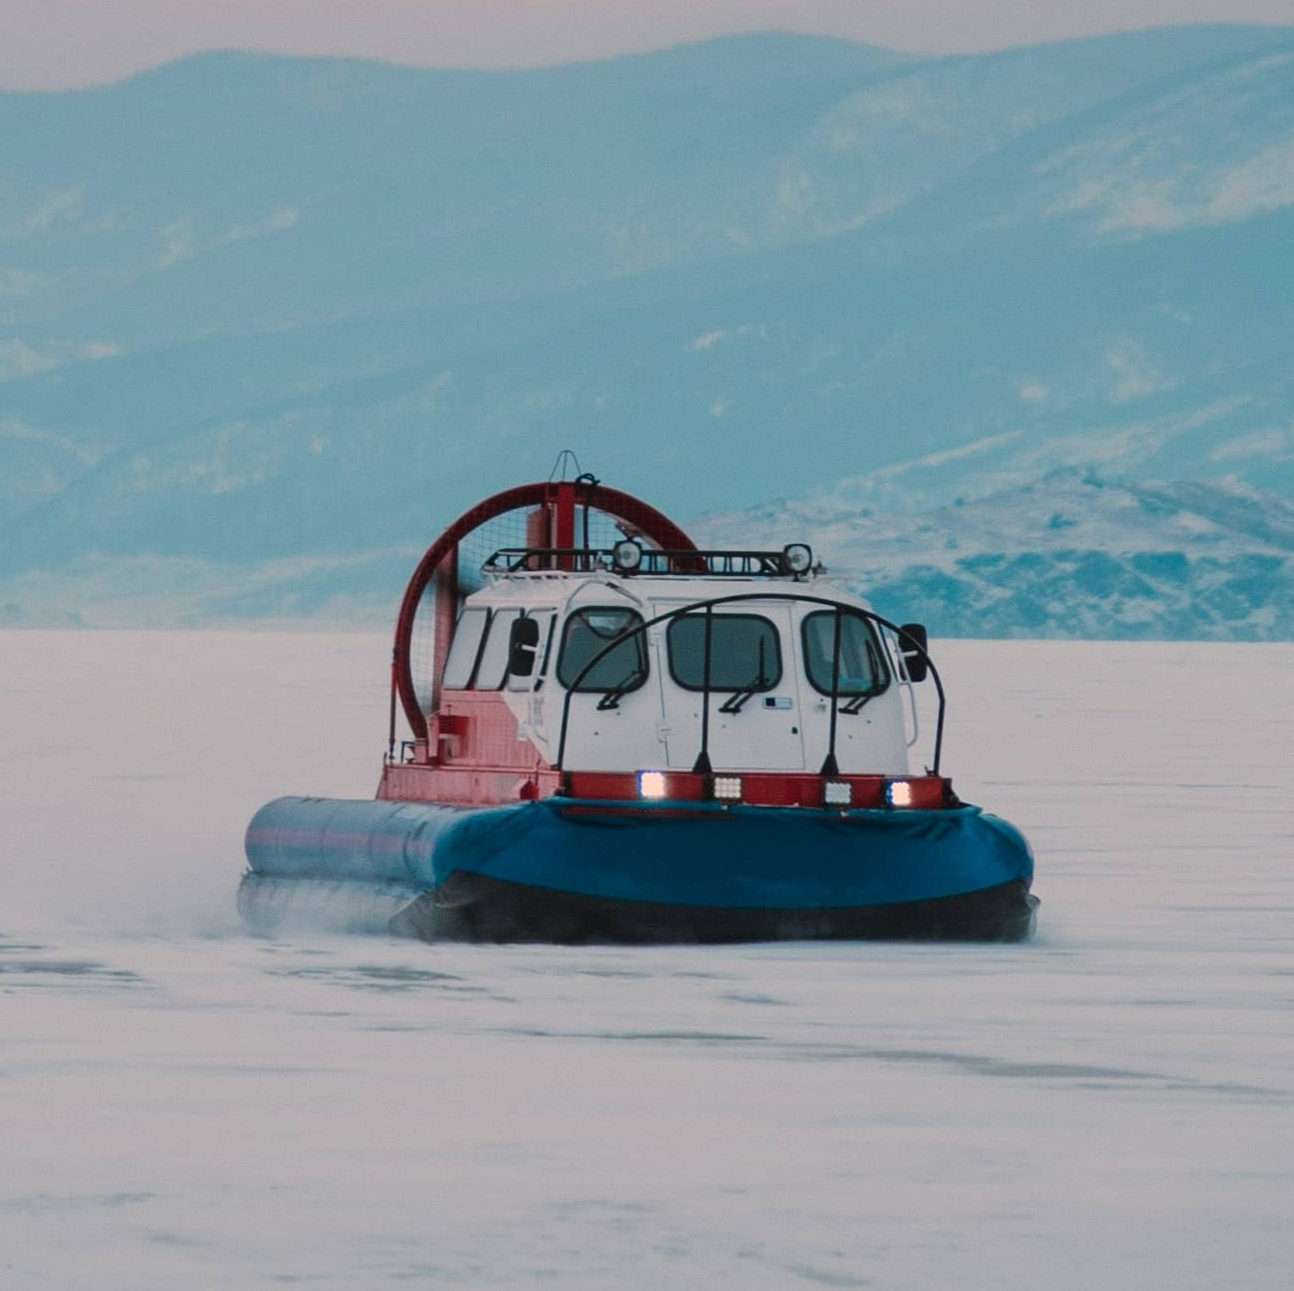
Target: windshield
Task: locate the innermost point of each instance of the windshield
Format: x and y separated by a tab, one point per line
745	653
862	669
587	631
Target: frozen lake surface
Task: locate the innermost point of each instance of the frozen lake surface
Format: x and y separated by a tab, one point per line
1109	1106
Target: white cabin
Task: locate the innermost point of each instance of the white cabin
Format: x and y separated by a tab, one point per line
779	647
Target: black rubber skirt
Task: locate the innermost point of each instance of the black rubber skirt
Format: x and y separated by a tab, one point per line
475	907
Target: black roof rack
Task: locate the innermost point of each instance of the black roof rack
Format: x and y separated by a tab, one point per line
647	560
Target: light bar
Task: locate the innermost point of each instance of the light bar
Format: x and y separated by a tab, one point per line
651	784
727	788
898	793
837	793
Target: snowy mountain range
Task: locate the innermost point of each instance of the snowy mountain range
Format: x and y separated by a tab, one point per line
1071	555
266	323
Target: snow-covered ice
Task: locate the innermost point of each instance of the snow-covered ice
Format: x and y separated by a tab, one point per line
182	1105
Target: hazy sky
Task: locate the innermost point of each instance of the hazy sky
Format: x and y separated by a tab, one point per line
46	44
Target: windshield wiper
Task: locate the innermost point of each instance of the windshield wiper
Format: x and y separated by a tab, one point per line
734	703
612	698
857	704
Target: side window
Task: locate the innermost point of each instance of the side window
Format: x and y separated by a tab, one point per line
862	668
585	633
493	668
465	648
548	645
745	652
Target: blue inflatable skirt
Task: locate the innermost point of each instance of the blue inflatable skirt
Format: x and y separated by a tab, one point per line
575	871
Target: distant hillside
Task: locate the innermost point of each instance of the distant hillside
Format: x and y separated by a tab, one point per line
1069	556
265	319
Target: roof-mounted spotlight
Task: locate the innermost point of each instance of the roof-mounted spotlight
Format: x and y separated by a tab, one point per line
797	558
626	556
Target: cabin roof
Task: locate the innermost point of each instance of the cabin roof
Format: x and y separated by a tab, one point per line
566	588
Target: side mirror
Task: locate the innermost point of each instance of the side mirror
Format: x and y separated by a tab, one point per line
523	647
912	644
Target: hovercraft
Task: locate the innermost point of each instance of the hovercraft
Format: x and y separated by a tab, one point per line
613	736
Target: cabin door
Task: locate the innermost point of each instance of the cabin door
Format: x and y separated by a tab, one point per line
754	703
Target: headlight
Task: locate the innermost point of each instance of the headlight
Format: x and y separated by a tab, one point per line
727	788
651	784
837	793
898	793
